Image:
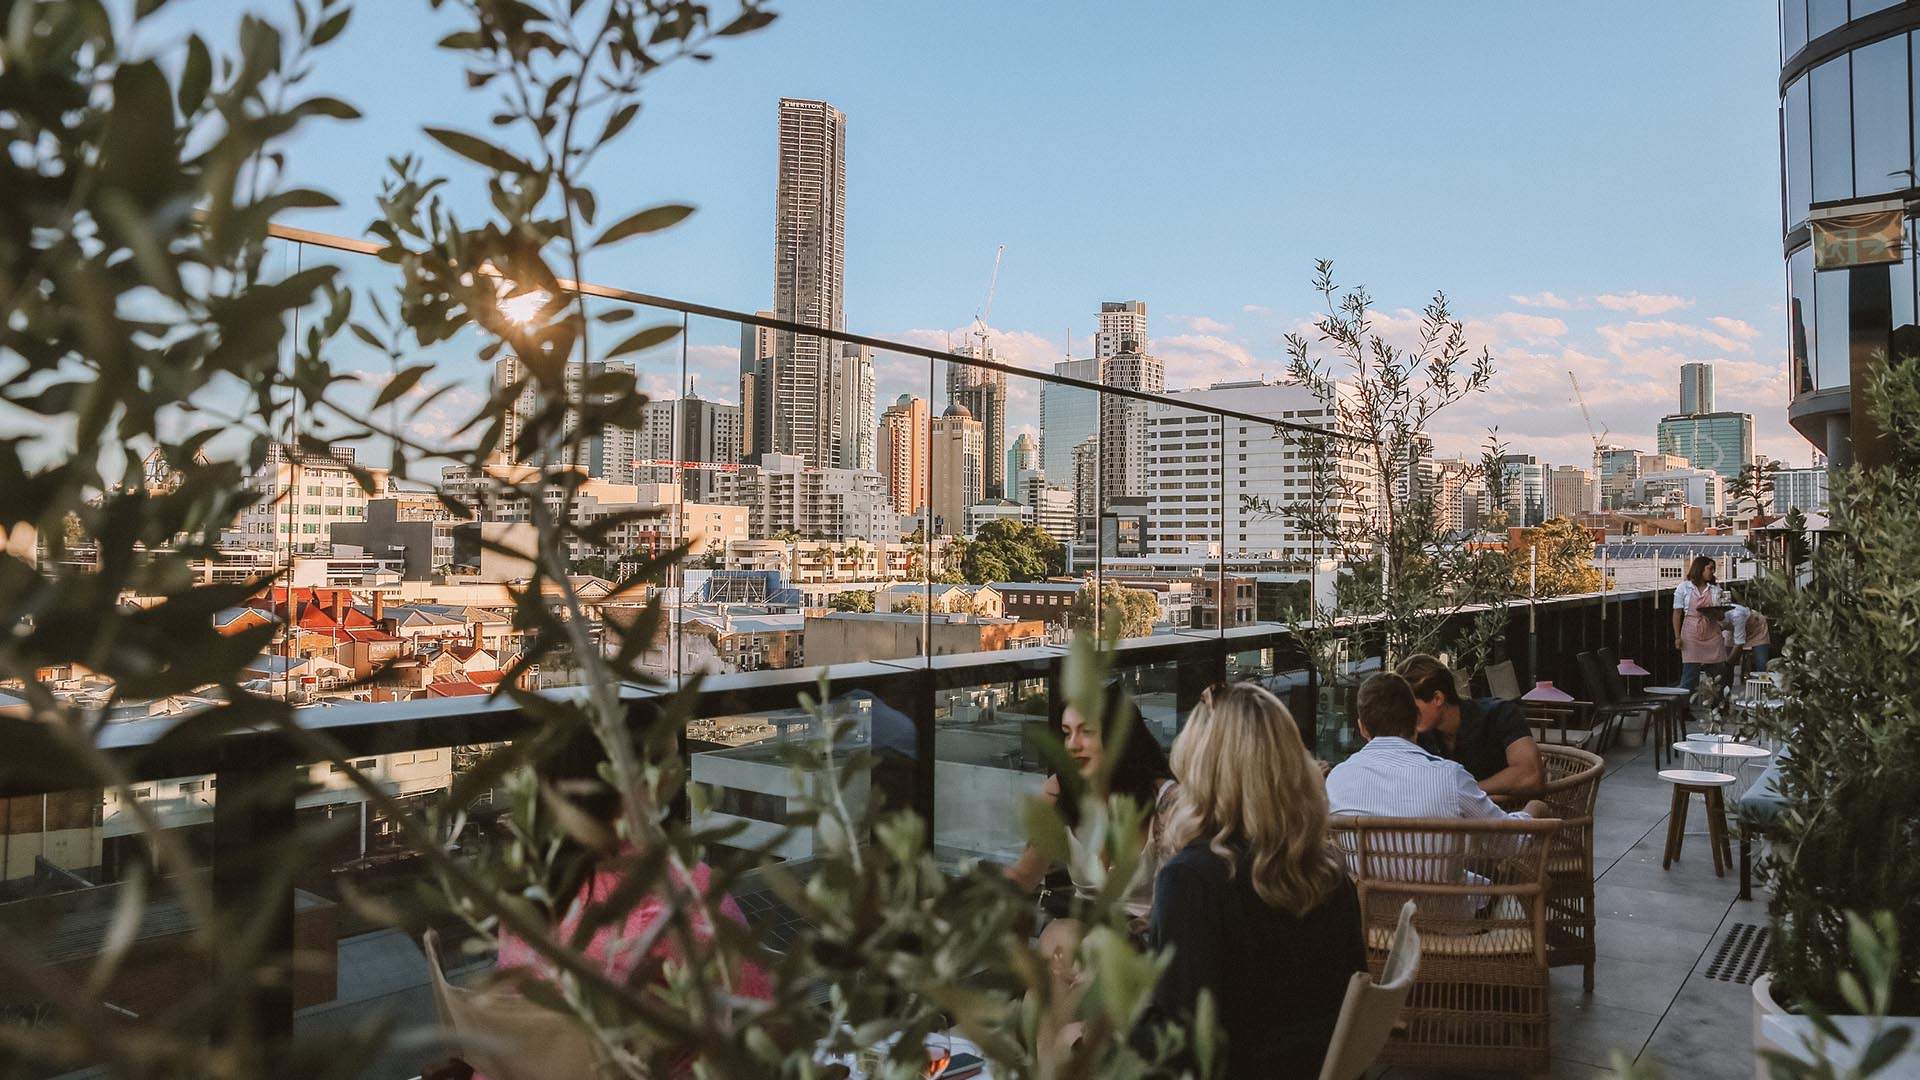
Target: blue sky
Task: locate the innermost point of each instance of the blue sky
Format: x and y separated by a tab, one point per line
1595	186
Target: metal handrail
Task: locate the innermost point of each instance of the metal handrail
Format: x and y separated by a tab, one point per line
687	307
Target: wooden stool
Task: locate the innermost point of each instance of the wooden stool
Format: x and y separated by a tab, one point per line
1711	787
1667	720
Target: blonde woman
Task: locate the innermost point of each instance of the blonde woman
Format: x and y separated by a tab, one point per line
1256	904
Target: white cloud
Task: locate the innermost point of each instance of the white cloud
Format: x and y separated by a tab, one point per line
1739	328
1517	326
1202	359
1622	336
1543	300
1201	324
1256	309
1642	304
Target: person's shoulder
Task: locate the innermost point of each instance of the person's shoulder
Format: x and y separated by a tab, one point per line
1502	712
1198	861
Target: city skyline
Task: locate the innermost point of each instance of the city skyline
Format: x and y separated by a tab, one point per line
1226	297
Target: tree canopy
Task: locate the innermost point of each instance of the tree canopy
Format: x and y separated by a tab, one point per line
1566	560
1133	611
1009	551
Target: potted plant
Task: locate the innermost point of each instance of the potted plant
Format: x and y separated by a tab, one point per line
1850	726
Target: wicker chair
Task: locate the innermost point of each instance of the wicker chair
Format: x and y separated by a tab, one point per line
1480	1001
1573	785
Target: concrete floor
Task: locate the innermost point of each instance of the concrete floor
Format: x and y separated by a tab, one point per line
1656	933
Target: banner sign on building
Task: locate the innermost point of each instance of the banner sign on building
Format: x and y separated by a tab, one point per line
1860	239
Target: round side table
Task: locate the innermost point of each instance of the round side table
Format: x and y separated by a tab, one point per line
1711	787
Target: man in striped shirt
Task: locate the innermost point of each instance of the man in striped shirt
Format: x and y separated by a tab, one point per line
1391	776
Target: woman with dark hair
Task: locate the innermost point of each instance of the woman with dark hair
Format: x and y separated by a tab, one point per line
1140	773
1698	632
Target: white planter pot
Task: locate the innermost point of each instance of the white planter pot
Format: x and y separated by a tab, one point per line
1775	1028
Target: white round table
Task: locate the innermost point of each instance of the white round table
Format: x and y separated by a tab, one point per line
1720	754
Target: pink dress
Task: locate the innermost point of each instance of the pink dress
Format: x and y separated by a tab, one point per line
750	981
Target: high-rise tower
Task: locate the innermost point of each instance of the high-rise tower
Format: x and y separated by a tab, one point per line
1123	328
1696	389
983	393
801	374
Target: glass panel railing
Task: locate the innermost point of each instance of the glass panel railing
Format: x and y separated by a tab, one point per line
109	913
987	761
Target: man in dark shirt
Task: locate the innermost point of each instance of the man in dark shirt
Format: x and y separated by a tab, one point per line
1490	738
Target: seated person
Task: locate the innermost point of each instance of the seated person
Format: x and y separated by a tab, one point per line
1256	904
1490	737
1391	776
573	770
1141	774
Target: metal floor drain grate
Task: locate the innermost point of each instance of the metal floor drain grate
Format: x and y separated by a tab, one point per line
1743	954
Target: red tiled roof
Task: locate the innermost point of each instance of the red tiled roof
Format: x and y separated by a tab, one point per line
485	678
456	688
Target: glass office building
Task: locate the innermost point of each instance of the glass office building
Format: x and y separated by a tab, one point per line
1721	441
1847	124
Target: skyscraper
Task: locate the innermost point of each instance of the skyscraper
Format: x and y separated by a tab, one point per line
903	450
1721	441
984	394
809	270
1529	494
853	407
1572	492
1068	417
959	472
709	434
1022	456
756	391
1696	389
1123	422
1123	328
607	453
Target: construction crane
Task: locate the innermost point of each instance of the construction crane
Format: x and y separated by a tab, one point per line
981	317
1581	399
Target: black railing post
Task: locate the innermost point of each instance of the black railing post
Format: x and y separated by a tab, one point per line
253	818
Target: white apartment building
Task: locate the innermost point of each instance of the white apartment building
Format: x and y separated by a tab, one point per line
1197	494
1804	490
782	495
301	497
607	453
1051	505
1123	423
1675	488
1123	329
814	562
996	510
703	527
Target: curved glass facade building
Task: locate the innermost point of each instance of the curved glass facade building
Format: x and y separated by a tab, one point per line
1847	137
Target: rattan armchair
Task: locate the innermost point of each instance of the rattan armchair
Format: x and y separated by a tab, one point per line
1573	785
1480	1001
